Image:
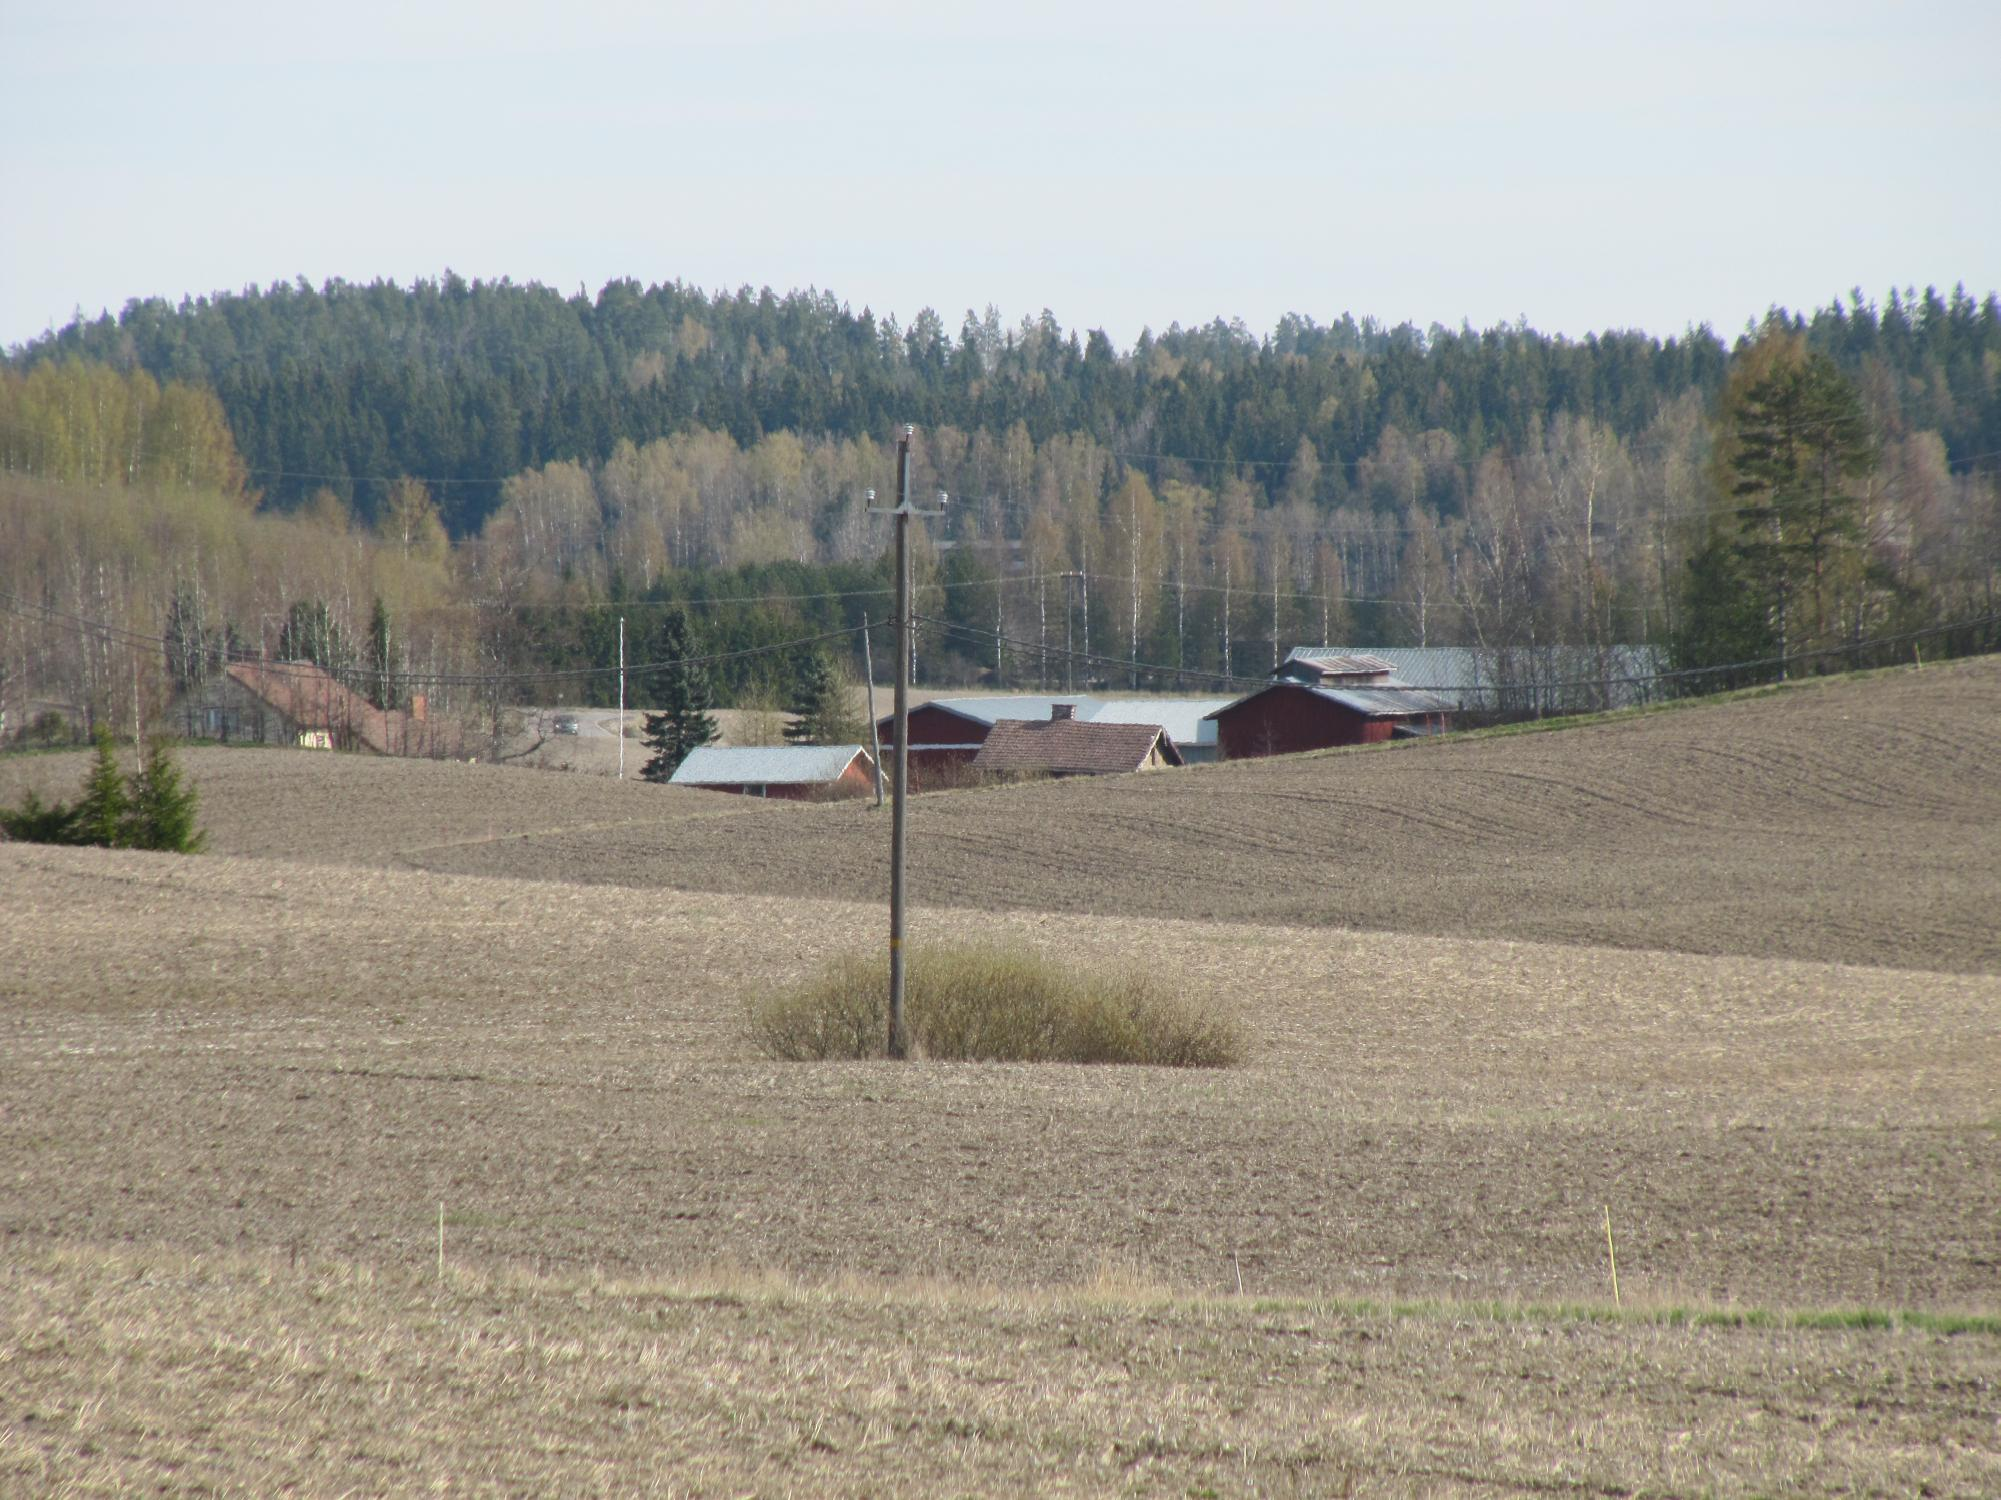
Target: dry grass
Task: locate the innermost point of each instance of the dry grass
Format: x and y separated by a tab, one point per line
987	1003
141	1370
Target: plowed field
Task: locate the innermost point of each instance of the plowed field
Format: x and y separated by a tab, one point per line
1729	973
1853	821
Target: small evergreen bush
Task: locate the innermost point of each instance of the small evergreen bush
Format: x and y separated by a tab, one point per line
154	808
990	1004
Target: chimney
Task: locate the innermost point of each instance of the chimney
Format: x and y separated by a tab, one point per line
1062	711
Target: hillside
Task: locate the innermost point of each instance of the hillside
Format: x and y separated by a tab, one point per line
1848	820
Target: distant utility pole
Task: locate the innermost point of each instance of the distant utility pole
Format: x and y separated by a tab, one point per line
621	697
899	1046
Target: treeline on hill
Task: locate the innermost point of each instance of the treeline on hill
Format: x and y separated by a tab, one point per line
348	386
1219	498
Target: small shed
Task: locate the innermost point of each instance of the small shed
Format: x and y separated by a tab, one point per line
795	773
1064	745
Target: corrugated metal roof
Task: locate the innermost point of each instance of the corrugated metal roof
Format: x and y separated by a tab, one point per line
763	765
1185	719
1339	661
1385	703
1551	676
1445	668
1182	718
1372	702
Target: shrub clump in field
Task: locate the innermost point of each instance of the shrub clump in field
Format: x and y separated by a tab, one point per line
153	808
983	1004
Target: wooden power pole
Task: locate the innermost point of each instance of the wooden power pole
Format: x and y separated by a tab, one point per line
899	1042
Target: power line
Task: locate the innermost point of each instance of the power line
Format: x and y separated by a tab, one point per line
134	638
1620	680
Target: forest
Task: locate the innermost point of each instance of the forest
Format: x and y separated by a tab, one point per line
464	481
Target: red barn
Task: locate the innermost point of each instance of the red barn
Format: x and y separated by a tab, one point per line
944	735
1288	717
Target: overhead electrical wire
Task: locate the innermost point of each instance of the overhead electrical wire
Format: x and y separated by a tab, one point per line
1622	680
135	638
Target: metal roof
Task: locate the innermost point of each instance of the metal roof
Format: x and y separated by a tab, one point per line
1385	703
764	765
1182	718
1551	675
1370	702
1338	661
1185	719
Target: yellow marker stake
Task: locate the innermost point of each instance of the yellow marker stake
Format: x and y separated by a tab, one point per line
1611	1251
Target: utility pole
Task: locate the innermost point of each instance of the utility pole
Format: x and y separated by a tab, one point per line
621	697
899	1044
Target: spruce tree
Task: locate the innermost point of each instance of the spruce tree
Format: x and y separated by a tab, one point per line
683	697
162	807
38	822
381	684
819	704
1799	438
101	817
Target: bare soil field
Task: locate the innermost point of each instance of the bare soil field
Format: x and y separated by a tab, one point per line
226	1053
1854	820
236	1092
235	1095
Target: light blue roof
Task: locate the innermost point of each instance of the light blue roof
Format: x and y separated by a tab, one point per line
1185	719
763	765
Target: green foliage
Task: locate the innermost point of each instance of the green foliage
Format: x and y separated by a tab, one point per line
1722	619
161	812
34	822
822	713
1799	439
154	808
193	651
682	694
990	1004
101	425
312	634
382	684
102	812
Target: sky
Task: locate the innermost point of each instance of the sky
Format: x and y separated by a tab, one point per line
1580	166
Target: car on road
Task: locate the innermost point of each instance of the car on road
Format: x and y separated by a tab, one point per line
567	724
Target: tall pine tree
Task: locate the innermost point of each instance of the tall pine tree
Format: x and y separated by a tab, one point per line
101	817
682	696
1799	440
819	704
381	681
161	807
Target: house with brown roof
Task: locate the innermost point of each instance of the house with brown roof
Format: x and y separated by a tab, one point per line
300	703
1064	745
